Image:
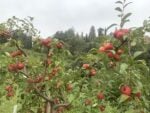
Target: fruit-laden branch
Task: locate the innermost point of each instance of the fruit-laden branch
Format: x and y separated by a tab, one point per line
37	91
27	76
50	102
41	95
46	62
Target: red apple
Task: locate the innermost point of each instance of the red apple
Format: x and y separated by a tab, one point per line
10	94
69	87
119	51
100	96
86	66
59	45
39	79
118	34
138	95
16	53
102	49
110	54
12	68
102	108
108	46
46	42
92	72
126	90
20	66
116	57
9	88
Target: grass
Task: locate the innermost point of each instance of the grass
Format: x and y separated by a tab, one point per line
6	105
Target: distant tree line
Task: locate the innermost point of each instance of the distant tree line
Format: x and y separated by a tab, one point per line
80	43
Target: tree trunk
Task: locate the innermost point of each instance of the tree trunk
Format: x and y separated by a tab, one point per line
48	108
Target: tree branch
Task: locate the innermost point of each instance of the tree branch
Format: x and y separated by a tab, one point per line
37	91
21	49
122	43
62	105
41	95
46	98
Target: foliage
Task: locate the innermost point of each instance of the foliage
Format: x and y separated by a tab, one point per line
112	77
121	9
23	25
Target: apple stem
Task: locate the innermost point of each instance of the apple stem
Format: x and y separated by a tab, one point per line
122	43
19	48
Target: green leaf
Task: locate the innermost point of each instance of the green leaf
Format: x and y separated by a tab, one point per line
136	54
119	2
131	111
15	109
70	97
139	84
112	51
127	4
123	98
133	43
123	68
94	105
112	25
118	9
7	54
126	16
119	15
123	22
93	51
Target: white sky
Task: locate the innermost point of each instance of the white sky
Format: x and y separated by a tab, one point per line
53	15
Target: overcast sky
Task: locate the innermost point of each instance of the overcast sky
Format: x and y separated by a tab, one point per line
53	15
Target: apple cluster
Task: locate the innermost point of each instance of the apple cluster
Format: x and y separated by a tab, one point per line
15	67
127	90
91	70
16	53
100	95
119	34
109	49
47	43
10	91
